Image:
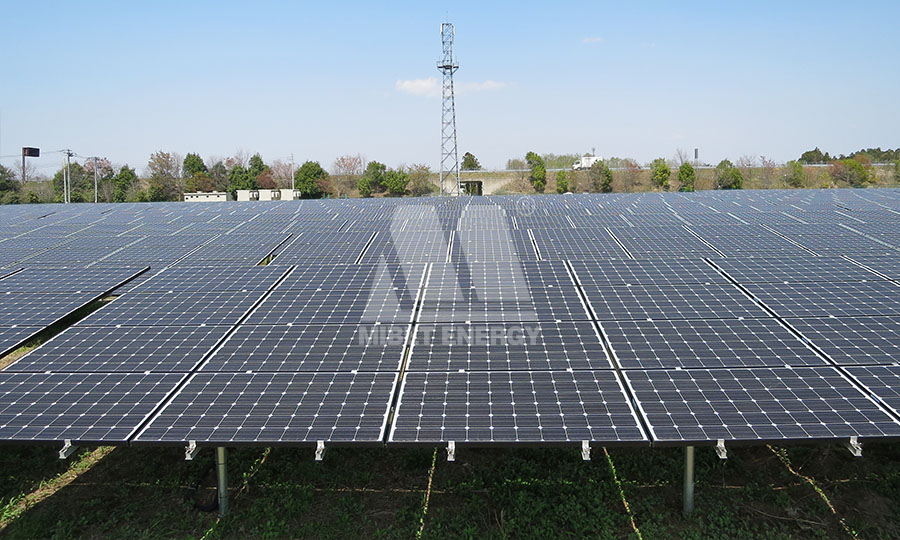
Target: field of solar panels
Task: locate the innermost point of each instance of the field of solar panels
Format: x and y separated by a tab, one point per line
484	367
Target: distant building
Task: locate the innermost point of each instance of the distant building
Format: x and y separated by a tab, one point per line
207	196
268	194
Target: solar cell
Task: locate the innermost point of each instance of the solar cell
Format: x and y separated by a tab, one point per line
213	278
513	303
356	276
795	269
854	340
649	272
52	280
852	299
759	404
537	346
348	306
273	408
12	337
23	308
706	344
174	309
84	407
659	302
122	349
514	407
322	348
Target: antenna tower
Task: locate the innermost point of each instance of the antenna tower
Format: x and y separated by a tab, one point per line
449	157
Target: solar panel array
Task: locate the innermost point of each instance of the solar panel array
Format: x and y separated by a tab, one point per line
611	319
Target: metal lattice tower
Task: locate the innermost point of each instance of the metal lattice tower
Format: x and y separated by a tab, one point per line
449	158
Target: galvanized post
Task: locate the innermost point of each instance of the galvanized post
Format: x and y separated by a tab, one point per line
688	480
222	476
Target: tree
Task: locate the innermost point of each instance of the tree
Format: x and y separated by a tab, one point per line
257	167
193	164
165	182
851	172
515	164
538	176
420	180
601	177
632	172
562	182
686	177
219	174
364	186
200	181
79	183
559	161
728	176
347	170
814	156
897	171
660	173
470	162
266	180
239	178
311	180
375	175
794	175
8	180
396	181
123	182
745	164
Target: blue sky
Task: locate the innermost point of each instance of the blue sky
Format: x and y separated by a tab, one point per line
636	79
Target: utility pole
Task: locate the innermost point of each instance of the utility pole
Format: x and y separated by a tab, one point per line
67	184
293	187
95	178
448	66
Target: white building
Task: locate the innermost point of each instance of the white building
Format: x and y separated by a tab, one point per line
207	196
268	194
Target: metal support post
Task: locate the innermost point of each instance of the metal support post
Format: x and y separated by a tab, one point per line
222	477
688	480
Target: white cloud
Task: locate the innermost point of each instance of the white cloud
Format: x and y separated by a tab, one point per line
594	39
431	87
420	87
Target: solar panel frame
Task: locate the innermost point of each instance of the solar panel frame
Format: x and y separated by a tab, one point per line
782	404
604	397
180	420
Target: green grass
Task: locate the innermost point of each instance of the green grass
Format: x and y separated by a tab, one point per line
486	493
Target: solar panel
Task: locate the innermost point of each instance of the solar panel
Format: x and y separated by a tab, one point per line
706	344
499	274
351	306
805	269
52	280
396	247
513	303
514	407
213	278
83	407
23	308
888	266
648	272
274	408
757	404
174	309
492	245
322	348
577	245
12	337
659	302
883	382
852	299
856	340
356	276
123	349
535	346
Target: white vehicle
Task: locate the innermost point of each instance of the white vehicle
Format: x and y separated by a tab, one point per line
586	162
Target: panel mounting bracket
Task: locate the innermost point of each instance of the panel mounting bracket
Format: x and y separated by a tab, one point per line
67	449
190	451
854	446
320	450
586	450
720	449
451	451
